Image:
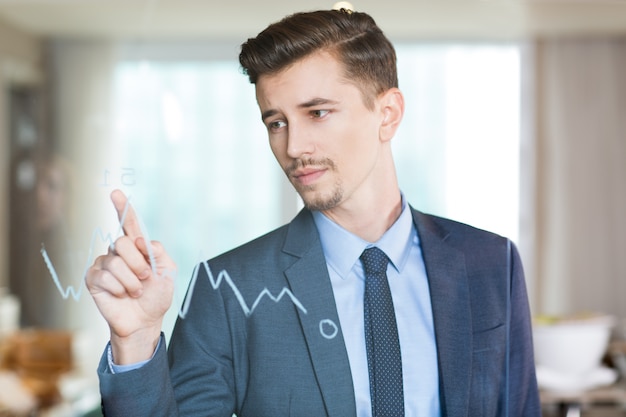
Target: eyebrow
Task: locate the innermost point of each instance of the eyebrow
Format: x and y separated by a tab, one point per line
307	104
268	113
316	102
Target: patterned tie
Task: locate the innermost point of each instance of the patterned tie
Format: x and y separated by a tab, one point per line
381	338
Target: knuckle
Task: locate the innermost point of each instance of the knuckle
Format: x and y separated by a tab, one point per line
112	263
121	243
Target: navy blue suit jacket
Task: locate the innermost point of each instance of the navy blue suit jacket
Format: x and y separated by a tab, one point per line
288	357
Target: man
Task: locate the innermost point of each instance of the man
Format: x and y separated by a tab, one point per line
458	336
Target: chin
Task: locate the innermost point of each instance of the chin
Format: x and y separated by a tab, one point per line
322	204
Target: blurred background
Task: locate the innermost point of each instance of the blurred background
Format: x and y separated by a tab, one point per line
515	123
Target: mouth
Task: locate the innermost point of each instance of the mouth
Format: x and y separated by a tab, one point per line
306	172
307	176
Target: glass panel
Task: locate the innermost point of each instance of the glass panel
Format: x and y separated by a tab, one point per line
192	153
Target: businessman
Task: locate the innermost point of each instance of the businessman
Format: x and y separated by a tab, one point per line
385	311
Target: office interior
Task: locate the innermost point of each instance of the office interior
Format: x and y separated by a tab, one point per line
78	119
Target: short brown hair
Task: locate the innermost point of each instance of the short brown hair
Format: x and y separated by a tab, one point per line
353	38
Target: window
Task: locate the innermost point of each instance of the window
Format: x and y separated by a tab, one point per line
457	151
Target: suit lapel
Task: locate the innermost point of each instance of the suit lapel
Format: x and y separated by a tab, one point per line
310	283
449	291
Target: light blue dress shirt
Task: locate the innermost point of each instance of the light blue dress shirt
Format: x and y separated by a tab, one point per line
411	297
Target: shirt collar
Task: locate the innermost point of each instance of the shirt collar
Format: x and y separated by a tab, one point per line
342	248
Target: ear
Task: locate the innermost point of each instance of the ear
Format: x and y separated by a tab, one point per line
392	110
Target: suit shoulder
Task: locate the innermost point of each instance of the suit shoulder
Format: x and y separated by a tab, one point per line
257	247
462	236
293	239
449	227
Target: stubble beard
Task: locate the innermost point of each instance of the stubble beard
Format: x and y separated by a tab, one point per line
311	196
321	202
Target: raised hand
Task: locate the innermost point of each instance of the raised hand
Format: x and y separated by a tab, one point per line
133	287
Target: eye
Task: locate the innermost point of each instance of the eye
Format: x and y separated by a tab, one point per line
318	114
276	124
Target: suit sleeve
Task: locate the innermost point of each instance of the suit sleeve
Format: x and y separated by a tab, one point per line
522	383
146	391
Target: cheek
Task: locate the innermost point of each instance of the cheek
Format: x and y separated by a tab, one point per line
358	143
361	153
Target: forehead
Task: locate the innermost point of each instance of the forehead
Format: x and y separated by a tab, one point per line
318	74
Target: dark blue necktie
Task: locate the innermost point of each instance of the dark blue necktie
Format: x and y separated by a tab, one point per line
384	361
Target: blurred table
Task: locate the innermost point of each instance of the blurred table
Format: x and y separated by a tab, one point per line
573	404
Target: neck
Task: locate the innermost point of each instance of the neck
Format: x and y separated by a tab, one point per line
369	219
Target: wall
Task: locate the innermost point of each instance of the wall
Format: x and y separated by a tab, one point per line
581	172
20	64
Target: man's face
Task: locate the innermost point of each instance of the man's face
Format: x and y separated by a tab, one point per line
320	131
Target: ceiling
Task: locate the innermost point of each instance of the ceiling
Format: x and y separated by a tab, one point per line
400	19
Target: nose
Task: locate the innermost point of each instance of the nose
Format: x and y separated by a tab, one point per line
300	142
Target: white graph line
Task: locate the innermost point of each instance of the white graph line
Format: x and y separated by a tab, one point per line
224	277
65	292
215	282
98	232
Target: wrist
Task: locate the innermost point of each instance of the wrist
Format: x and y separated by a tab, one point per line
134	348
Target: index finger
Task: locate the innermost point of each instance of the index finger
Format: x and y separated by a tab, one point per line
126	215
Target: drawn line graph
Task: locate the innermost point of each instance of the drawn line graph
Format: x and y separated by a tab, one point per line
223	276
98	232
